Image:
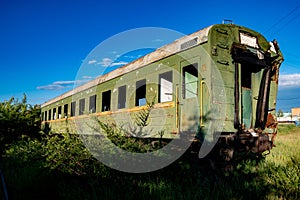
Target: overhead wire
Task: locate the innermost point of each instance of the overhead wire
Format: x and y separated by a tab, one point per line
295	98
277	27
292	55
283	18
281	28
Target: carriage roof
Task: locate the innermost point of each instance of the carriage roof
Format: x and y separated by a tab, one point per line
178	45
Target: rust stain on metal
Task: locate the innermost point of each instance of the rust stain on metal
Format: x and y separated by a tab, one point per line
204	67
276	74
271	122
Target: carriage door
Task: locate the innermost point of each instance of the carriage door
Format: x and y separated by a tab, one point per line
189	101
246	91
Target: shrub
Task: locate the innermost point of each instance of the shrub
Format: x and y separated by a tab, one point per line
18	119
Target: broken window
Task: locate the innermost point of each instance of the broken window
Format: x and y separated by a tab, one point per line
59	112
190	81
122	97
106	100
54	113
165	87
92	106
73	108
66	110
81	106
140	96
246	76
49	116
45	117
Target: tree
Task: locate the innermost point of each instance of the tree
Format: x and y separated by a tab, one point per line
279	113
17	118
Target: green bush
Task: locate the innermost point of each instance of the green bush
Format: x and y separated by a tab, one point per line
52	167
58	166
18	119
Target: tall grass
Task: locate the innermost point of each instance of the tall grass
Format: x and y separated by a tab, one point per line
60	168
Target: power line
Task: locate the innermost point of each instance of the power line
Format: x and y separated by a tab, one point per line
294	65
283	18
289	99
281	28
291	54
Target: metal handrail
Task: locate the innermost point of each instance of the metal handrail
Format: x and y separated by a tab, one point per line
201	102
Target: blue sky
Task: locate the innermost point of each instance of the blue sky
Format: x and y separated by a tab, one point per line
43	43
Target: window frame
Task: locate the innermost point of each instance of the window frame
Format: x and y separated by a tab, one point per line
122	92
49	114
140	92
106	101
46	115
73	109
81	108
165	76
93	107
66	108
59	112
54	114
193	68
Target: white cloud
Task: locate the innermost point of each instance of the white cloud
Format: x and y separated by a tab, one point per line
92	61
64	82
289	80
118	63
51	87
132	57
157	40
107	62
59	85
88	77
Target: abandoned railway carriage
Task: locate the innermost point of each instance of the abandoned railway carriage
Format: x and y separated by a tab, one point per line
225	74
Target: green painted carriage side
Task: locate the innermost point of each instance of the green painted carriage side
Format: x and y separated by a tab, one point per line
220	41
151	74
216	51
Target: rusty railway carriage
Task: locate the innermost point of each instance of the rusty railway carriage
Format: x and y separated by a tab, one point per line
179	78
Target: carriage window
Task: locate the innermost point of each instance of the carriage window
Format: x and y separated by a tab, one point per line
92	107
165	87
49	116
54	113
66	110
190	82
59	112
122	97
140	95
73	108
45	117
81	106
106	100
246	74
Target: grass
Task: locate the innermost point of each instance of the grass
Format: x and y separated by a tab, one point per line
56	170
284	164
287	146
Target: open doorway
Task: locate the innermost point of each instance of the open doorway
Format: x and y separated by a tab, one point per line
249	75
